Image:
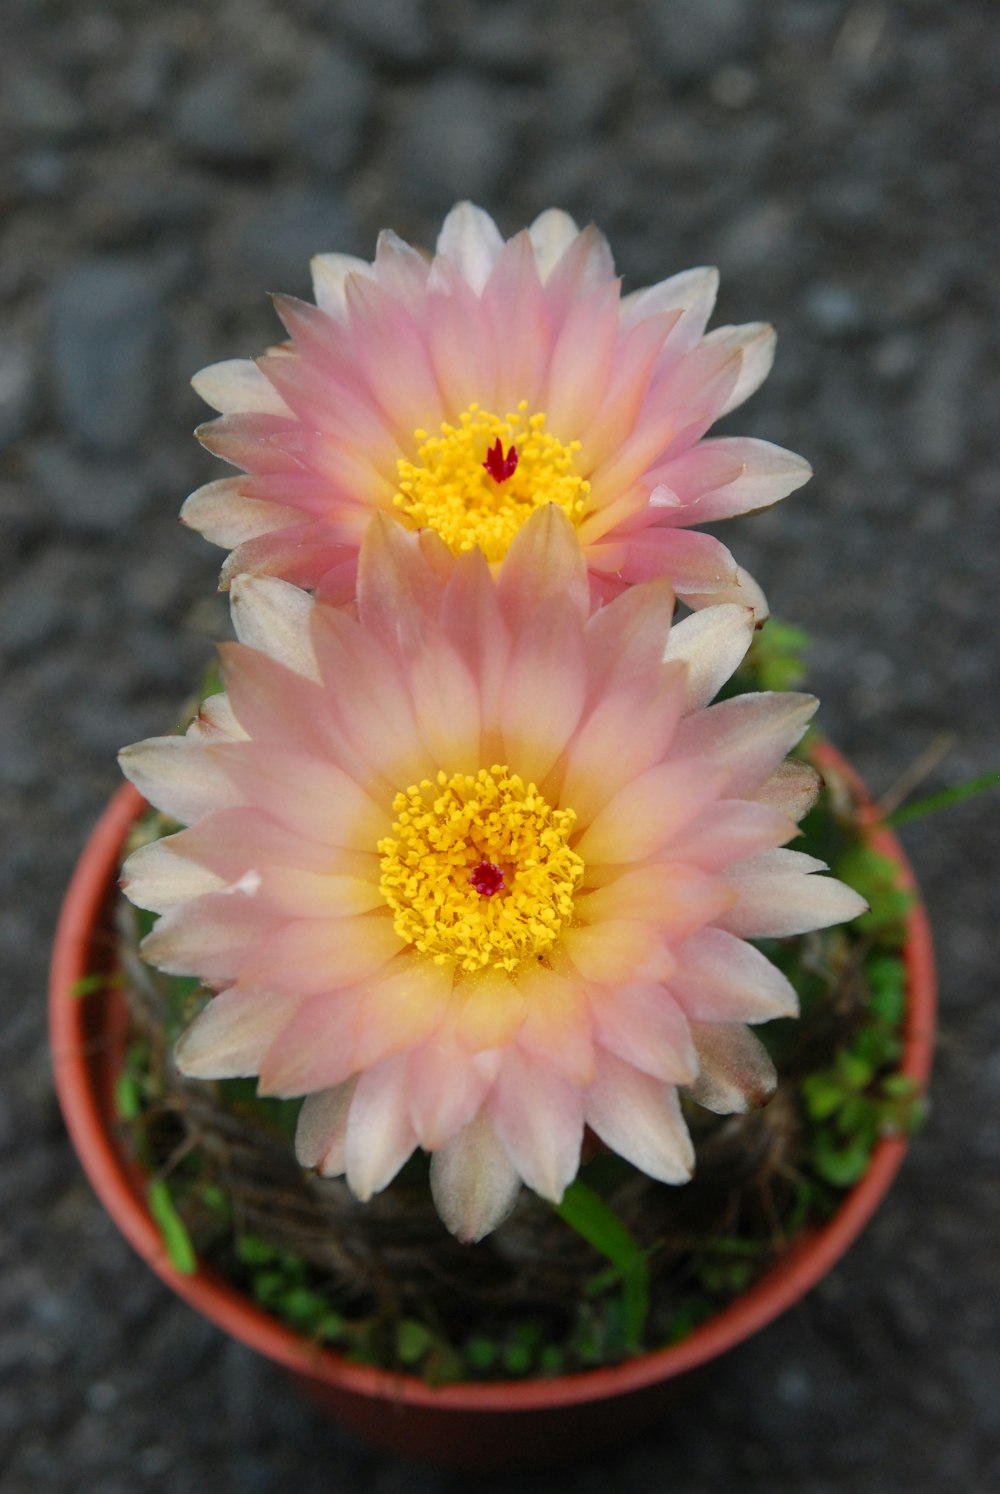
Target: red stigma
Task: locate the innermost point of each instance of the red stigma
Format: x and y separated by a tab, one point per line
501	467
487	879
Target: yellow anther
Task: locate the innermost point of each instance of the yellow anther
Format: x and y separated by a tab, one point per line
447	488
446	829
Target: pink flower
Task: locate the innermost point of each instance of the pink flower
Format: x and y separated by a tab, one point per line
460	394
475	869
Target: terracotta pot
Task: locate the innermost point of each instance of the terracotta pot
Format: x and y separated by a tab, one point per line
471	1426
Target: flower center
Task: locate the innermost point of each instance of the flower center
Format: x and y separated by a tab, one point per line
465	487
479	869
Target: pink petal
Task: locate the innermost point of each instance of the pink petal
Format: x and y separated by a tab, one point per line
516	310
229	1039
273	617
627	732
311	797
461	340
158	877
238	386
634	361
222	515
675	899
730	475
646	813
447	1085
694	562
731	830
473	1182
380	1137
212	937
544	559
644	1026
721	979
543	692
538	1117
329	278
755	340
315	1050
313	956
179	776
551	235
321	1134
472	242
612	951
792	789
736	1073
581	362
692	292
777	897
392	356
491	1010
639	1118
749	735
712	645
556	1029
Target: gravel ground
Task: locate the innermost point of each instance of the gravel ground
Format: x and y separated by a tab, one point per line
166	164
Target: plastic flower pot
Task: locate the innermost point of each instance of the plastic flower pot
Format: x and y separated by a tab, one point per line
475	1426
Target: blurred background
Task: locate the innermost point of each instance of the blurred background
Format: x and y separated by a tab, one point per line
163	167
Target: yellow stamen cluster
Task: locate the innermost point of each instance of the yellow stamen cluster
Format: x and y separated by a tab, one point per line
447	488
443	831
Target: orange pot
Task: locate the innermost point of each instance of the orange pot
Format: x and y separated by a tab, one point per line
473	1426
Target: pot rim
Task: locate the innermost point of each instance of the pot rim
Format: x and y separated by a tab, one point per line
115	1177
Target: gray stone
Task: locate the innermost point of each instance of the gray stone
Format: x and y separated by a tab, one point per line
222	117
835	310
18	373
398	30
458	141
690	37
332	112
286	229
107	331
88	494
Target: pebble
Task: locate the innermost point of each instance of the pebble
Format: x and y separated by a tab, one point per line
221	117
691	37
399	31
18	383
286	229
107	330
88	494
332	112
458	141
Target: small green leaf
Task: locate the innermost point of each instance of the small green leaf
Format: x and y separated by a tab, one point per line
413	1339
128	1097
172	1228
823	1096
481	1353
844	1166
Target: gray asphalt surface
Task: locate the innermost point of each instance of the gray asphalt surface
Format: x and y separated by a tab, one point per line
164	165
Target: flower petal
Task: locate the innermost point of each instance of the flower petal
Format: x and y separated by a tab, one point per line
228	1040
721	979
712	644
380	1137
749	735
321	1133
237	386
755	340
473	243
473	1181
777	897
640	1118
736	1073
538	1117
272	616
157	877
